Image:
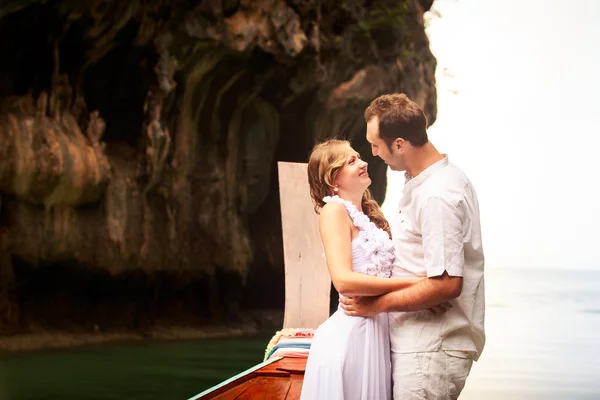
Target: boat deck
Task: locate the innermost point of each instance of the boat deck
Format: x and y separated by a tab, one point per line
276	379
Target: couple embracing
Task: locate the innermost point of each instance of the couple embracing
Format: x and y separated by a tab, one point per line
411	316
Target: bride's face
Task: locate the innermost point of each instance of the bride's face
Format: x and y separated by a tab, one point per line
353	176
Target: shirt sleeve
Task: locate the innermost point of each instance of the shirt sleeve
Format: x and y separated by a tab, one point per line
442	233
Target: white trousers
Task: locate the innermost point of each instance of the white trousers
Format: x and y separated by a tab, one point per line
429	376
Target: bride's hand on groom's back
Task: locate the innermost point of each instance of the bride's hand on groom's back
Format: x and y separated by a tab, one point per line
358	306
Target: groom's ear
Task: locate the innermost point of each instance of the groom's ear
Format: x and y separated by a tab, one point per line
399	144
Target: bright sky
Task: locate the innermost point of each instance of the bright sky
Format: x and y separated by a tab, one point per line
519	113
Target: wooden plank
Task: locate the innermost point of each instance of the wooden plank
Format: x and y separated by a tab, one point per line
222	387
307	281
295	387
284	367
235	391
267	388
273	369
293	365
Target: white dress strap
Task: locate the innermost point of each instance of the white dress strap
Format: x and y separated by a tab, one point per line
361	221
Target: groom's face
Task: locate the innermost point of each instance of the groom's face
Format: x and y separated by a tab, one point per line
382	149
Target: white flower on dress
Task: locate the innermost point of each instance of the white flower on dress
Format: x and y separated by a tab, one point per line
368	241
375	241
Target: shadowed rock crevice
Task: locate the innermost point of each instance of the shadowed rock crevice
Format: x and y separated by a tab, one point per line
65	295
139	142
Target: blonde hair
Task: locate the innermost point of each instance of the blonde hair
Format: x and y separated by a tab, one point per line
324	162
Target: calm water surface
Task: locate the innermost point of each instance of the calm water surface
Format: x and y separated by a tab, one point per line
543	343
147	371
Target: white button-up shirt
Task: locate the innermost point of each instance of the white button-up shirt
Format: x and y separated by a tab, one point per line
437	229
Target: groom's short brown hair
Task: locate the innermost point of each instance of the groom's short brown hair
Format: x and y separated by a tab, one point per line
399	116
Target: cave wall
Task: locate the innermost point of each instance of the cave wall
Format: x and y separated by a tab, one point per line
140	138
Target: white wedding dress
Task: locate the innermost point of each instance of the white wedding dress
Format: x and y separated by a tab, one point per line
349	357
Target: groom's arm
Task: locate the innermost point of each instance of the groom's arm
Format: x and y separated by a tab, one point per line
441	224
425	294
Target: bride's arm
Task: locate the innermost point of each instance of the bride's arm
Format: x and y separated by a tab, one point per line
336	235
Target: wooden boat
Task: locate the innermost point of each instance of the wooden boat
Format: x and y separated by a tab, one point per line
307	289
278	378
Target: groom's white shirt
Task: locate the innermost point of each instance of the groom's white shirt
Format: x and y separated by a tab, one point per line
437	229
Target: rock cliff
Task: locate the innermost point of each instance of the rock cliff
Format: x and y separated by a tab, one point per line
139	141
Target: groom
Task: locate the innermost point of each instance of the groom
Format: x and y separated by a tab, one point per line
437	235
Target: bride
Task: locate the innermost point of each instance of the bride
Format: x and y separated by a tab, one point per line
350	356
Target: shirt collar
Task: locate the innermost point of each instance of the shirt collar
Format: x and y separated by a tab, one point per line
414	182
